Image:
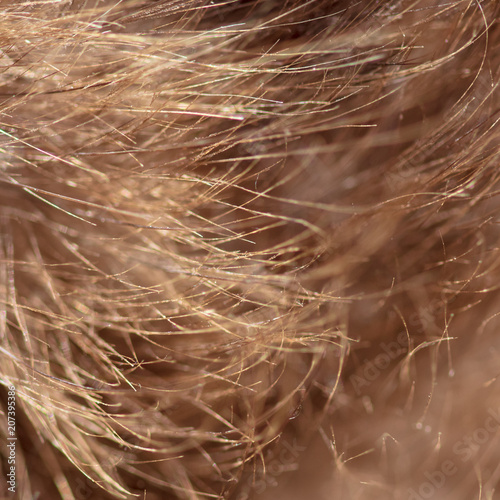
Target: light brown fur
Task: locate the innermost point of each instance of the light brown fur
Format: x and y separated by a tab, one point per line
245	238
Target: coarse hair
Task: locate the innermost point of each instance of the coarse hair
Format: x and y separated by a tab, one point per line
250	249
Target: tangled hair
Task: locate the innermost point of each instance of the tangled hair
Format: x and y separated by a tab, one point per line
249	248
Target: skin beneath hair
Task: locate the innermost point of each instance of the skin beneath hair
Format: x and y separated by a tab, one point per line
250	249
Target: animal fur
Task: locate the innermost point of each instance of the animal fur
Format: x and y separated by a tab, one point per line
250	249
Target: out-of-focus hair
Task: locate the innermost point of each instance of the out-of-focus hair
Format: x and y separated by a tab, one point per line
250	249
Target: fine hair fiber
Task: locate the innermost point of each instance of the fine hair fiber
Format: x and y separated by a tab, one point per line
249	249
